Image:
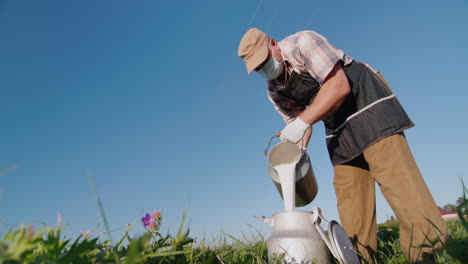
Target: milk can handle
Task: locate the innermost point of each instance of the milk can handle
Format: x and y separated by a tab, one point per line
318	216
278	134
269	143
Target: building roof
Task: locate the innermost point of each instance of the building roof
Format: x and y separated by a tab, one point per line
444	212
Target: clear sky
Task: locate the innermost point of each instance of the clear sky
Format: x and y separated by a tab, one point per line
151	100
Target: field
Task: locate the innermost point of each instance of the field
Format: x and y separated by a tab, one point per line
47	245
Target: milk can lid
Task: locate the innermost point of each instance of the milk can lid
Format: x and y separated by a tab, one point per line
343	244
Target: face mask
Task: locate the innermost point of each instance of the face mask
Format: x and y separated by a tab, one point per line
272	69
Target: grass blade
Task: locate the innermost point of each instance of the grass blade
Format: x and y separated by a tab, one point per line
106	224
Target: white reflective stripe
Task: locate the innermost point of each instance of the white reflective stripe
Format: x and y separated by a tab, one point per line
360	111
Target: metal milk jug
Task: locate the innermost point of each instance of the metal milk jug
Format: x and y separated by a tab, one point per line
286	152
295	235
300	237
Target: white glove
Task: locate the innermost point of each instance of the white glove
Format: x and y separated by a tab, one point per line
294	131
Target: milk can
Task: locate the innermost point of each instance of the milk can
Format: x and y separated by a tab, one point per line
286	152
294	235
298	238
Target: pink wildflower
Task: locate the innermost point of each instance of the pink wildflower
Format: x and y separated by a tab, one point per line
154	227
30	230
157	214
86	234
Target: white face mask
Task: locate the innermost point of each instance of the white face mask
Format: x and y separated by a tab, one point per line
272	69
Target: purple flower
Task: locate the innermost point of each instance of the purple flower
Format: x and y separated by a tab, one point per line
148	220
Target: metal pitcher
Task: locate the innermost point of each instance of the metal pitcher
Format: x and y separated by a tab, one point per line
286	152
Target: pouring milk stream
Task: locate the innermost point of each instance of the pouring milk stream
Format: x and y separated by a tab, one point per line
287	176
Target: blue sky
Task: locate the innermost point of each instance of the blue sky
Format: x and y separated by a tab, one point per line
151	100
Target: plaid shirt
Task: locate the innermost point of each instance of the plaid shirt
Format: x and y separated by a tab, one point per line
305	51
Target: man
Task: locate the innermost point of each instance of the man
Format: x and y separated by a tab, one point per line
311	80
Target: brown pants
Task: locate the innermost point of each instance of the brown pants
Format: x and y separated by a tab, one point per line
390	163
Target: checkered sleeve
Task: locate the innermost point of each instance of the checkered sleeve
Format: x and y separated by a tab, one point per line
317	54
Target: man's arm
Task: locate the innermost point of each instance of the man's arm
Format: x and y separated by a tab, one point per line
331	95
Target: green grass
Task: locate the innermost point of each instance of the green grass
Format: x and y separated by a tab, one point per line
453	251
47	245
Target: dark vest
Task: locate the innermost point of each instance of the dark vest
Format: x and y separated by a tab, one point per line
369	113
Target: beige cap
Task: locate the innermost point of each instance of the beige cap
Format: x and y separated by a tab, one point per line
253	48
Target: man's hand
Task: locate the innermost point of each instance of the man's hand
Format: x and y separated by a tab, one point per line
294	131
